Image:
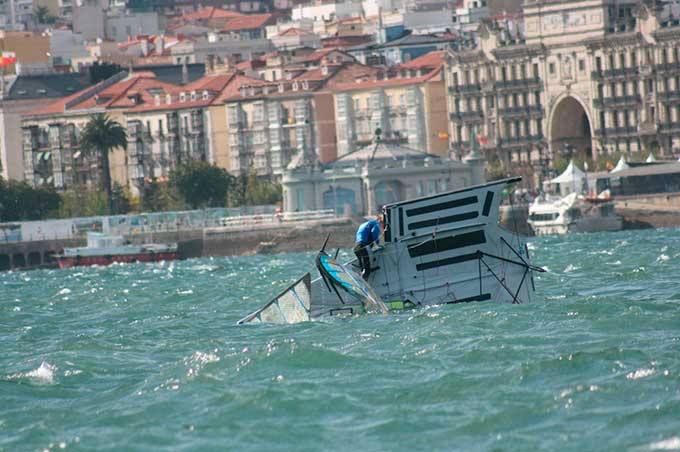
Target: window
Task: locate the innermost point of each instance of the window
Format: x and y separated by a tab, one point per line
551	68
537	98
600	90
622	60
581	65
598	64
535	70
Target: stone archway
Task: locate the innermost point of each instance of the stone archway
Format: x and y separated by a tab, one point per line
570	132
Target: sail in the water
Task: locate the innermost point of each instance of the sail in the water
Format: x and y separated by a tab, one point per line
293	305
338	275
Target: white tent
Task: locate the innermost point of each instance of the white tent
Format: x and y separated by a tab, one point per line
572	180
650	158
622	165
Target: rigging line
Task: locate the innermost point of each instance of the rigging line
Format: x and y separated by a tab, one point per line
498	279
521	283
513	250
510	261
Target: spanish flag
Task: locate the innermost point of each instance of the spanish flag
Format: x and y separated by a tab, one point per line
8	58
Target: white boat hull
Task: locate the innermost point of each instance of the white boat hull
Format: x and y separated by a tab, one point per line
443	249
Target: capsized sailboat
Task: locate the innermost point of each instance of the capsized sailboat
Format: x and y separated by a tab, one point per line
441	249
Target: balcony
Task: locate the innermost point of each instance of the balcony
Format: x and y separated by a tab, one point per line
613	132
615	73
529	110
523	83
521	140
663	68
669	95
617	101
669	127
647	128
466	89
467	116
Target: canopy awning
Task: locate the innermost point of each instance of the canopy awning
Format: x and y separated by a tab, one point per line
571	174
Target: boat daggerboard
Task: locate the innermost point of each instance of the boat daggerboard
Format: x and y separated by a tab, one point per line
348	280
293	305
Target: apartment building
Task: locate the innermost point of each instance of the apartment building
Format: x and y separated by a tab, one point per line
407	104
52	152
272	123
588	78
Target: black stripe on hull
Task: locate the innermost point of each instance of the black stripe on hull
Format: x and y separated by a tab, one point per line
481	297
447	243
448	261
444	220
487	203
442	206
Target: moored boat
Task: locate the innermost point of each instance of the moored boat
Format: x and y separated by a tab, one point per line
104	250
573	213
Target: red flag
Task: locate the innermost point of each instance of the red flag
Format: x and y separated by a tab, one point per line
482	140
8	58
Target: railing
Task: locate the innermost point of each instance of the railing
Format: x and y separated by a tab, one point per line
518	83
617	100
276	218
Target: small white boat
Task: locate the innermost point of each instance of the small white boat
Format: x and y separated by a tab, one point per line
442	249
573	213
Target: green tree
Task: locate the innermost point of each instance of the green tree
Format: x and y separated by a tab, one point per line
42	14
158	197
259	192
83	203
121	200
201	184
19	201
101	135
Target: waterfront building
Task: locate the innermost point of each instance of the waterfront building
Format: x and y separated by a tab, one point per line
51	149
585	77
407	103
270	122
24	93
366	179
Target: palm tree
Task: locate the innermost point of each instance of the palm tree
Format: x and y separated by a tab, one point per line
42	13
101	135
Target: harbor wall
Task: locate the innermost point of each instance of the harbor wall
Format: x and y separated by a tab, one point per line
209	242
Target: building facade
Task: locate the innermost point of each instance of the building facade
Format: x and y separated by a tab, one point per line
585	77
407	104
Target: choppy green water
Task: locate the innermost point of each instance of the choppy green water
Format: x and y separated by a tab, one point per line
146	357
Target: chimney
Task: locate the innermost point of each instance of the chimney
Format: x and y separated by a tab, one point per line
185	72
210	64
145	47
161	44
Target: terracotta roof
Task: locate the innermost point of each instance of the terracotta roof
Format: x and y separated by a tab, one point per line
294	32
430	60
318	55
249	64
118	95
346	41
210	13
248	22
388	82
233	88
215	83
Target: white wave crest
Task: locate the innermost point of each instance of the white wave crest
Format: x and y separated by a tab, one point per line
640	373
43	374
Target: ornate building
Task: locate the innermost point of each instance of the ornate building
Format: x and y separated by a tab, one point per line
583	77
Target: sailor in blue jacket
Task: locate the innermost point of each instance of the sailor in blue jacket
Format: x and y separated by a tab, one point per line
367	235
